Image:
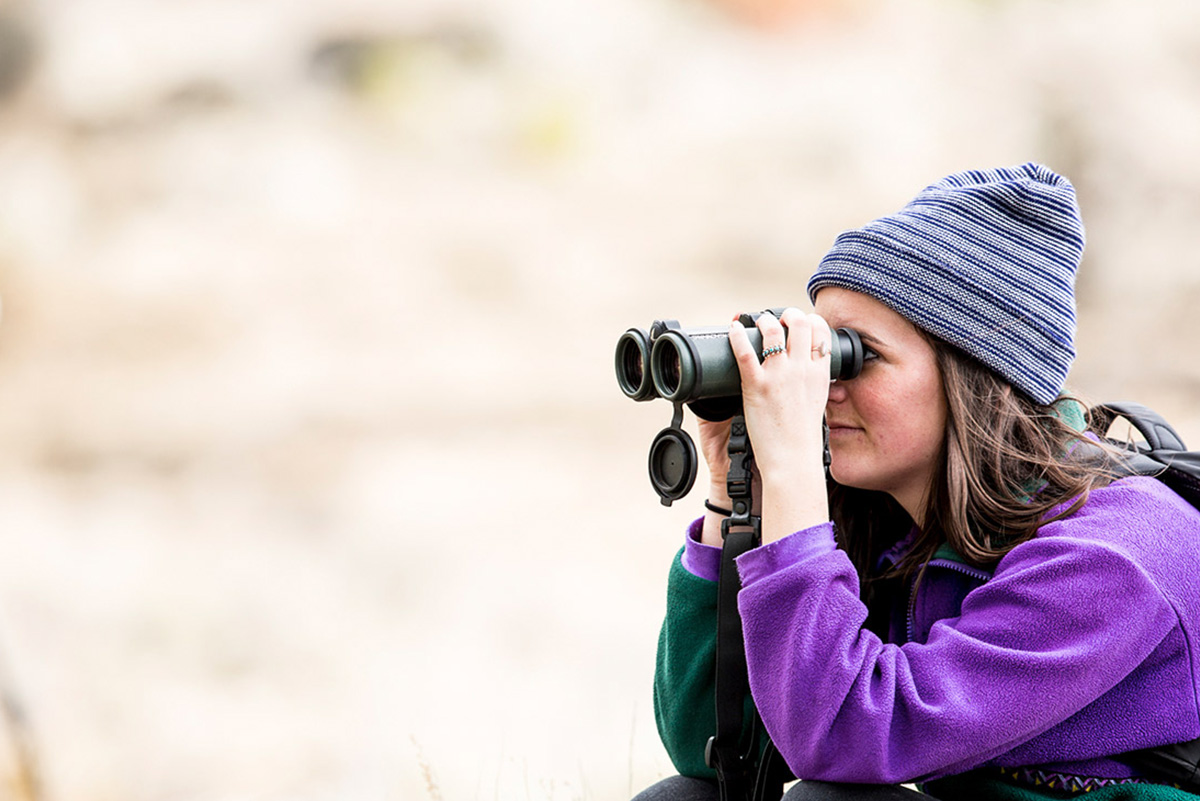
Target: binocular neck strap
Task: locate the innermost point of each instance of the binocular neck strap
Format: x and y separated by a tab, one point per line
727	753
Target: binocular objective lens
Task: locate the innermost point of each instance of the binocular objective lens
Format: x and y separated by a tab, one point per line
669	371
631	366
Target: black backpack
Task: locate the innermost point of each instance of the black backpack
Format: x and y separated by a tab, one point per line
1165	457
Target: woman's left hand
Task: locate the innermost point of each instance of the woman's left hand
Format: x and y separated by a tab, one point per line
784	399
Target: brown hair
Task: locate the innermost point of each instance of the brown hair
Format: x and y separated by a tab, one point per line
1001	471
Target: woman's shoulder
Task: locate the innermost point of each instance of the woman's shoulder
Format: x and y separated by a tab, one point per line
1131	509
1138	521
1137	500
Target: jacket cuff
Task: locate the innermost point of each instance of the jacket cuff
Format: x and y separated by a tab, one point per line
702	561
805	544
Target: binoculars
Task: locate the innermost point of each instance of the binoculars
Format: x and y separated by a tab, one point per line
696	366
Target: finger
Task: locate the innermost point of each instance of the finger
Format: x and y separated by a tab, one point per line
799	332
774	338
743	351
822	337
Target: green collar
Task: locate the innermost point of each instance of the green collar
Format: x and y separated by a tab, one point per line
1072	413
944	551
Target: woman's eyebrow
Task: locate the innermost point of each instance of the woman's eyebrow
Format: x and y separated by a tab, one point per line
870	339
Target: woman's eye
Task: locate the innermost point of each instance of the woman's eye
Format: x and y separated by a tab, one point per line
869	354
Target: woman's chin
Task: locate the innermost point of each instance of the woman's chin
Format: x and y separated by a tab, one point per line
848	473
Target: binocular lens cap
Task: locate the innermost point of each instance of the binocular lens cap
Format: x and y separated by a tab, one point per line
672	464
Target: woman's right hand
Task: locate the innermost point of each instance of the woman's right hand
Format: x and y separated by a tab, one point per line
714	445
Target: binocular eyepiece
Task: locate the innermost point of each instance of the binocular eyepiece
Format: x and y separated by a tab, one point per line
697	366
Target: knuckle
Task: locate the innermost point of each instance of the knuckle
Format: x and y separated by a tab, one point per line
792	315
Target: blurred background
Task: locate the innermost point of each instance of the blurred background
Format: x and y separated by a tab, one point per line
315	481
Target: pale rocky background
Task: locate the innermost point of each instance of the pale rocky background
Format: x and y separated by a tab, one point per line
315	482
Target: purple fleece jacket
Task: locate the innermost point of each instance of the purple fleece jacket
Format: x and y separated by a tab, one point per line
1080	646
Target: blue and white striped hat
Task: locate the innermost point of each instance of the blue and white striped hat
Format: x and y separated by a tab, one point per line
984	260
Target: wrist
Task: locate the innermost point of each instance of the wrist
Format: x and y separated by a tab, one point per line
718	495
794	503
723	511
795	479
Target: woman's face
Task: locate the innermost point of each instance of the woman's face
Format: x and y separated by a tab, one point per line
886	426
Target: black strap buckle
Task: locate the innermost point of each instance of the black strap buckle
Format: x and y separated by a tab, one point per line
739	481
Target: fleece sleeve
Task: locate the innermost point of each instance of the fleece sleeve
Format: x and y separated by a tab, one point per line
1033	646
685	671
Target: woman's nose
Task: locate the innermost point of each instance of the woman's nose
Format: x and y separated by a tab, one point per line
837	392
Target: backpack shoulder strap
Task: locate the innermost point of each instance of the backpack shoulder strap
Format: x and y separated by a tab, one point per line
1158	433
1165	456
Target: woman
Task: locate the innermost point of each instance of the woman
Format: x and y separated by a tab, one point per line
968	604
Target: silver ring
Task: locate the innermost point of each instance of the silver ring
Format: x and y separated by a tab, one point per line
771	351
821	350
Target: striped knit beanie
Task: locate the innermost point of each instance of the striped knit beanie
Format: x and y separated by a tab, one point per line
984	260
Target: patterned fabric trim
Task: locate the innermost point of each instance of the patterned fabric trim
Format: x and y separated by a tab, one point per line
1065	782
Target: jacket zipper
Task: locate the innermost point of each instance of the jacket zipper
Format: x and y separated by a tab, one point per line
948	564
